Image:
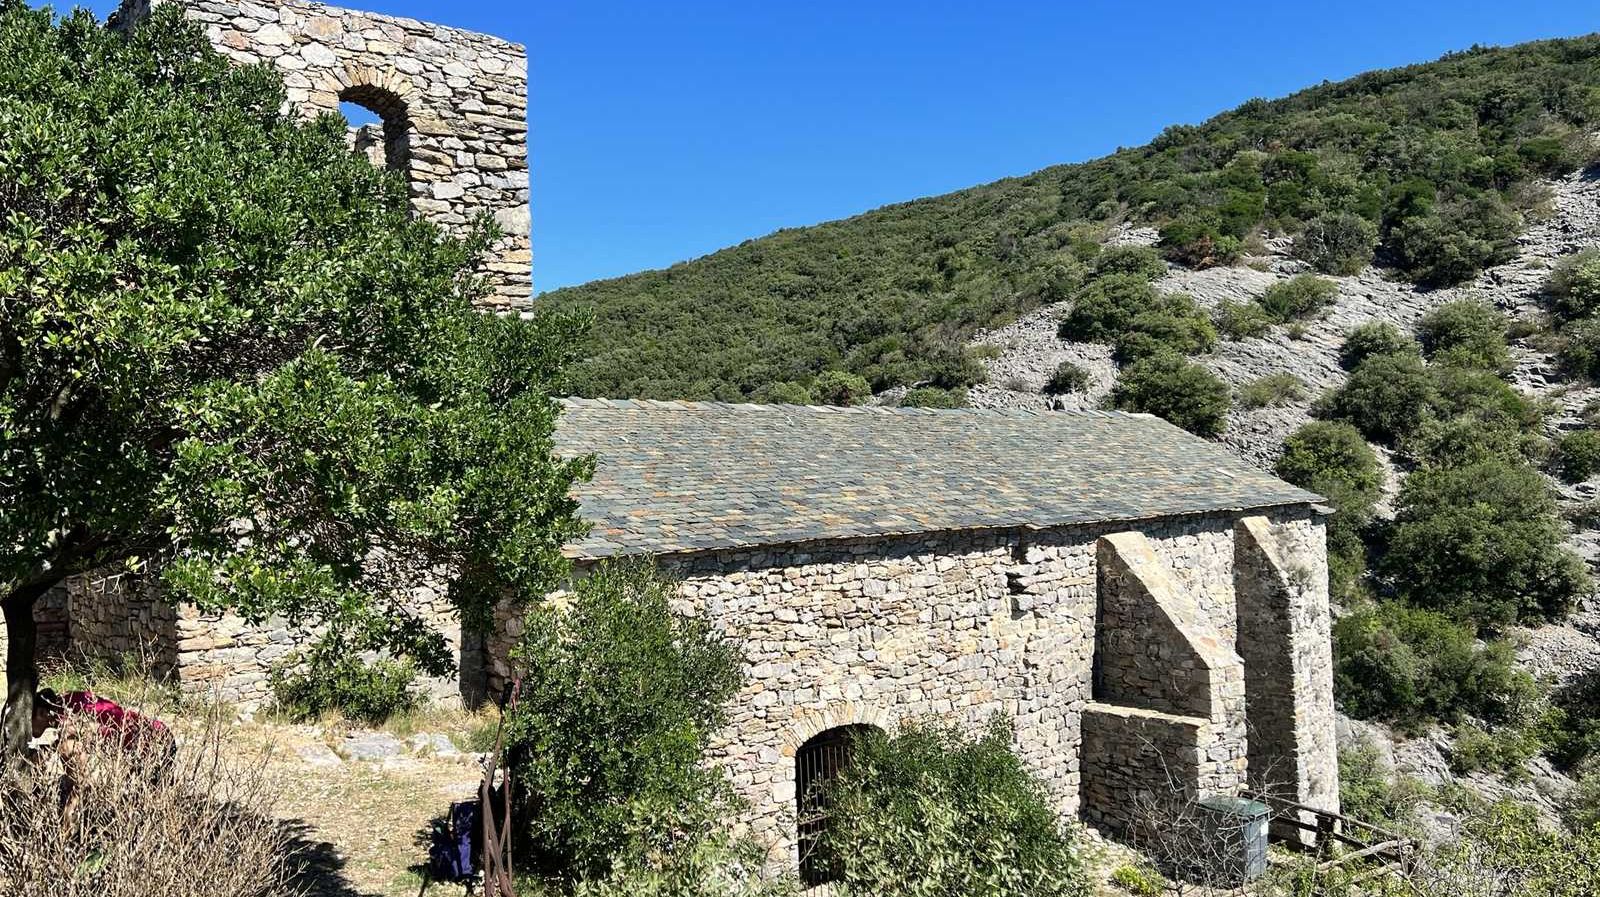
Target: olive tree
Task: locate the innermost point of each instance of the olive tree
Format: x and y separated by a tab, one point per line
229	355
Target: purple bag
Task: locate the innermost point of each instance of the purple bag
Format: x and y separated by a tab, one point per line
453	851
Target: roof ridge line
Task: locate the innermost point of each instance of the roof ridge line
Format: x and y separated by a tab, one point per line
689	405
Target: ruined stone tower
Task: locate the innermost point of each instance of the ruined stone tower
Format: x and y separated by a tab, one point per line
453	106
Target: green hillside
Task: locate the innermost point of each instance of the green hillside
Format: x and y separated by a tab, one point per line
1429	169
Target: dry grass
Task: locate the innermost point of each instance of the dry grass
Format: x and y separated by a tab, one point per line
127	822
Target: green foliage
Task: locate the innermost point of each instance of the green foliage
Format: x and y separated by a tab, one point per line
1506	851
1242	320
786	392
1576	720
1574	285
1173	324
1298	297
1182	392
1337	243
1141	262
1067	377
1272	390
1482	543
1577	455
841	388
620	697
1331	459
1580	348
1385	397
1434	154
1106	308
1580	808
1375	338
1457	240
1465	332
934	397
1370	791
931	811
1503	751
333	676
1410	666
216	313
1141	881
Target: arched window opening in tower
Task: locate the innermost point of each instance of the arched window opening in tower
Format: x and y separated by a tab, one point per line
818	762
380	126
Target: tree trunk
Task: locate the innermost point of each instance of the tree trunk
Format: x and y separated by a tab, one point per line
22	672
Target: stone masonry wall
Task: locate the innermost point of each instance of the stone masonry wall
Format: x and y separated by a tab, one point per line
453	104
1286	640
953	625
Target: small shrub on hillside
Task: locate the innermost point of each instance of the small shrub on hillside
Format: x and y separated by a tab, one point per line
1106	307
1337	243
1182	392
1175	324
1577	721
1371	791
934	397
1580	807
1577	455
1196	241
1298	297
1410	666
1136	261
1574	285
620	698
1242	320
1482	543
1067	377
1454	242
1385	398
1375	338
784	392
1469	439
841	388
1466	333
1331	459
932	811
1579	348
333	676
1141	881
1282	388
1504	751
1506	850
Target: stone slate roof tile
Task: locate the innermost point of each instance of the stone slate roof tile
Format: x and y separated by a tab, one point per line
693	476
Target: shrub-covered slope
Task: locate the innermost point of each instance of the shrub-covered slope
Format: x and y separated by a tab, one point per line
1425	168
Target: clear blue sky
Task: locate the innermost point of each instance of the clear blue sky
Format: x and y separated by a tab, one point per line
661	131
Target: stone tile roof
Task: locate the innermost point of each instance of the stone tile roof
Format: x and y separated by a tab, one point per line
688	476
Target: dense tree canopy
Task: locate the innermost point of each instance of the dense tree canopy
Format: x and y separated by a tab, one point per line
228	353
1426	168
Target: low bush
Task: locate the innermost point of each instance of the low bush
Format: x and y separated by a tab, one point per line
1337	243
1579	348
620	698
1574	285
1182	392
1105	308
841	388
332	676
1140	881
1410	666
1505	850
1136	261
1298	298
1375	338
1580	807
1482	542
1331	459
1504	751
934	397
1196	240
1386	397
1467	333
932	811
99	824
1067	377
784	392
1455	241
1173	324
1577	455
1271	391
1576	720
1371	791
1242	320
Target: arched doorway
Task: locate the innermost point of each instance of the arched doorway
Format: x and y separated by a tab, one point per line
818	762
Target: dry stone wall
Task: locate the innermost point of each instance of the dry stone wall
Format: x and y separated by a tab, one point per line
453	105
953	625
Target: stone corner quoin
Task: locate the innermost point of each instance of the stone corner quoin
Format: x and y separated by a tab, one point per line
452	106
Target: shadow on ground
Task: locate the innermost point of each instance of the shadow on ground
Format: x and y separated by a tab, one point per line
319	865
